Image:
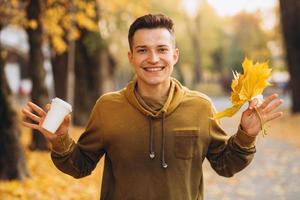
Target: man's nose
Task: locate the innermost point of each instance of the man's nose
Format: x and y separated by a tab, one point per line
153	57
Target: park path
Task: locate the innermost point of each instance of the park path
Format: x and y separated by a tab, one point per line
273	174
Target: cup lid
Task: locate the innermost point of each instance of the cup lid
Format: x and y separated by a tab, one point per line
63	103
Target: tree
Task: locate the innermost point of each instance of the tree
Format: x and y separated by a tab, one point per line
238	42
198	38
290	19
12	159
39	92
59	23
63	24
250	41
207	31
94	66
193	31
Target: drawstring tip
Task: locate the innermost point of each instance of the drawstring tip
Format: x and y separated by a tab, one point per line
164	165
152	155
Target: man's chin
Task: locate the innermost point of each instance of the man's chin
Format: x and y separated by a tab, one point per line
155	81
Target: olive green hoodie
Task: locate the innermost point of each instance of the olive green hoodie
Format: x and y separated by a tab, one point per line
155	155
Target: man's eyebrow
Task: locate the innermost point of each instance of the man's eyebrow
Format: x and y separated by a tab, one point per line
140	46
145	46
163	45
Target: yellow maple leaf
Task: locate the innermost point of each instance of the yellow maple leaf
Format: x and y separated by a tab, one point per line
59	44
246	86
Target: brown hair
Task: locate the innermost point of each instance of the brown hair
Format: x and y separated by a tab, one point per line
150	21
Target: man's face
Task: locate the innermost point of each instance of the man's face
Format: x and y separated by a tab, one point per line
153	56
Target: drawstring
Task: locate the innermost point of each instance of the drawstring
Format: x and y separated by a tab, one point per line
163	139
163	162
151	140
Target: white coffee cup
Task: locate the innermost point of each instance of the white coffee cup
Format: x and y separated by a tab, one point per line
55	116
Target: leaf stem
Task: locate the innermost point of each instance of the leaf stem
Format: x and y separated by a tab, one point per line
263	127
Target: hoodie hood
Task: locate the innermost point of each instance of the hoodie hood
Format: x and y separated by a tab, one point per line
175	96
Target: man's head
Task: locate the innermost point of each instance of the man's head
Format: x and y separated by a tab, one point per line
151	21
152	49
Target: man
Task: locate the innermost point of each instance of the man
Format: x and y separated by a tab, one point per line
155	133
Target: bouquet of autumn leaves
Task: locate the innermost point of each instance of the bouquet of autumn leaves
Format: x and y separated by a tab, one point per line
247	86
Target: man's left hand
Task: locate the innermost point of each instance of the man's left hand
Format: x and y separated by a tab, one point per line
256	115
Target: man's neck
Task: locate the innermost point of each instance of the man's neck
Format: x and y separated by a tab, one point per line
152	91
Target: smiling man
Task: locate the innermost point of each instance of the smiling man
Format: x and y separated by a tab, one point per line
155	133
153	55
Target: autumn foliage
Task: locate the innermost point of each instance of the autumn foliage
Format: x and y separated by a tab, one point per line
47	182
246	86
61	19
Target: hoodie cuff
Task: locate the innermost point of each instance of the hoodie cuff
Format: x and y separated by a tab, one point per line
244	140
62	144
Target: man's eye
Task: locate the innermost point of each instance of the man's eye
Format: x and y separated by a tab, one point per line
163	50
141	50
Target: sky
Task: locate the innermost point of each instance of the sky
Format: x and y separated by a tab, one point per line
232	7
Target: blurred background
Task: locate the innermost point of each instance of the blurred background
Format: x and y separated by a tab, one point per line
77	50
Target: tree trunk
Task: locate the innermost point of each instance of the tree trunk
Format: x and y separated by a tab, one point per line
194	34
197	61
107	70
290	19
39	93
94	72
60	71
83	84
12	159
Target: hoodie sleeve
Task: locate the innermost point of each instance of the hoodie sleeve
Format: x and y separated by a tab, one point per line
79	159
229	155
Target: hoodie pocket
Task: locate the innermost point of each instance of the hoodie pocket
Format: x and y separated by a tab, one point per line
185	146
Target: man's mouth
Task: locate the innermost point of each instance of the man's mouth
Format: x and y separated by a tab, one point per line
153	69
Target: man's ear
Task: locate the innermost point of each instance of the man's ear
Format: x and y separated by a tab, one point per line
129	54
176	55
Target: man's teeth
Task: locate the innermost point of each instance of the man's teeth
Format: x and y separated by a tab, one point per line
153	69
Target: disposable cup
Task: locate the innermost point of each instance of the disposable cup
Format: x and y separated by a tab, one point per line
55	116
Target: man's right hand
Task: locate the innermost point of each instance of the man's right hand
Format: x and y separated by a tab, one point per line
39	117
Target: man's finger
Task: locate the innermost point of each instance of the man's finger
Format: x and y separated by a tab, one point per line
268	100
273	106
48	106
274	116
44	132
30	115
36	108
30	125
253	103
67	119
